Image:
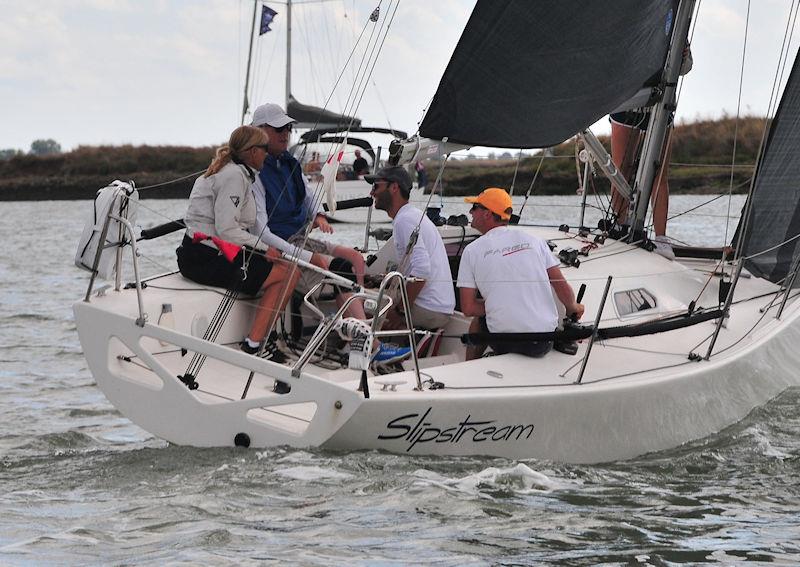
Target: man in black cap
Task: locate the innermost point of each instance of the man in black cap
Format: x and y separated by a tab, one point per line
433	299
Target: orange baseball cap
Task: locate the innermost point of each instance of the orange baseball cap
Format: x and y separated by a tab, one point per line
496	200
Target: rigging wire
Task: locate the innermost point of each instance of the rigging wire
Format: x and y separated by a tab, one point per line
706	203
350	106
516	169
170	182
533	181
738	111
383	106
265	76
379	49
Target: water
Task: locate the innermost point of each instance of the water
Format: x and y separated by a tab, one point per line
82	485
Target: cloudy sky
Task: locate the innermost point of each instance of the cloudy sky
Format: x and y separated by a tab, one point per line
89	72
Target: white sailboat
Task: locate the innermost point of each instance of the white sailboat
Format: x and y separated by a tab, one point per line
672	351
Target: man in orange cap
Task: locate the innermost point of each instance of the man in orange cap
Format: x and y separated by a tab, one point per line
514	272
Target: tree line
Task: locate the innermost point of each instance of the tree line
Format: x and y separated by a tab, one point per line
38	148
701	156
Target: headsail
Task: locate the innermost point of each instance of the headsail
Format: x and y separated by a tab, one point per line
774	205
531	74
308	116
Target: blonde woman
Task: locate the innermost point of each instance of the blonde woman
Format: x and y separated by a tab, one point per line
221	205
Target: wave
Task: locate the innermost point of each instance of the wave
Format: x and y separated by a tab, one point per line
311	473
517	479
27	317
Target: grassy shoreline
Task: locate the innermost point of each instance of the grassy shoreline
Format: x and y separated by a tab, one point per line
700	151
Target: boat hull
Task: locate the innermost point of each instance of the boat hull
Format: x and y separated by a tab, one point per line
507	406
580	423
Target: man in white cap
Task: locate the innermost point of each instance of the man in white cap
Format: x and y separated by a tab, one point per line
516	275
284	206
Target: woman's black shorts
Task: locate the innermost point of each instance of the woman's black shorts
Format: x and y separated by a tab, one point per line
206	266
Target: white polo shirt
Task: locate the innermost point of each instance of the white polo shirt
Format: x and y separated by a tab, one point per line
428	259
509	268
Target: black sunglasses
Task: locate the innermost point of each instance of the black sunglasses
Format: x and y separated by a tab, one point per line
478	207
284	128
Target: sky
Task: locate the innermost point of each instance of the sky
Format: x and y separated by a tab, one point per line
171	72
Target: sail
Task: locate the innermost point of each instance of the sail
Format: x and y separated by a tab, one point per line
308	116
531	74
773	225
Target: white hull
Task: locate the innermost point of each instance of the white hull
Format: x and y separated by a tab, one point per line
638	394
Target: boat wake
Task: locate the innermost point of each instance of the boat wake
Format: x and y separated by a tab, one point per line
762	445
494	482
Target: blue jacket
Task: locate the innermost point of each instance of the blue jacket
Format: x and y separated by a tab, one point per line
285	192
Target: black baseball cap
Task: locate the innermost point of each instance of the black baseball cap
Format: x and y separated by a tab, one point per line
395	174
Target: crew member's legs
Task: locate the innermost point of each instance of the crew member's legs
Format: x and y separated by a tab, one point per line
659	198
344	267
278	289
475	351
624	144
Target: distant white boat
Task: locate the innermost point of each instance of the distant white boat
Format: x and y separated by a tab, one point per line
352	192
670	351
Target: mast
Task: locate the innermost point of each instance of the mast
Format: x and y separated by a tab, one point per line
246	104
288	52
657	131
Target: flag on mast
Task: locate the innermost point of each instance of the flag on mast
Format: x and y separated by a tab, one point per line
267	15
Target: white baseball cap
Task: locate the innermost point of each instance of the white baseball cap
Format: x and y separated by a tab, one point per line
272	115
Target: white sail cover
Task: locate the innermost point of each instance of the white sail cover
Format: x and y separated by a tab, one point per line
120	199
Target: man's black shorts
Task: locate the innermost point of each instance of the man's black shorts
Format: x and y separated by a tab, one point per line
533	349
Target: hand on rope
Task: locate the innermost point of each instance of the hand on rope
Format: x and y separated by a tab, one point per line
321	222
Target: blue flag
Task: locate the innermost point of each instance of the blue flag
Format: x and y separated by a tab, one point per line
267	14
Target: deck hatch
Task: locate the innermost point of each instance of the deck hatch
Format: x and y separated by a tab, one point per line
634	301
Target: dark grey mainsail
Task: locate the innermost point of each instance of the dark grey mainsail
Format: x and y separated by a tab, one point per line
308	116
773	210
529	74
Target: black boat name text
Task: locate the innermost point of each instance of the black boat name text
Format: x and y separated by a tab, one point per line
414	429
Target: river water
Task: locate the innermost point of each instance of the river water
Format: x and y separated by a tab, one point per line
82	485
